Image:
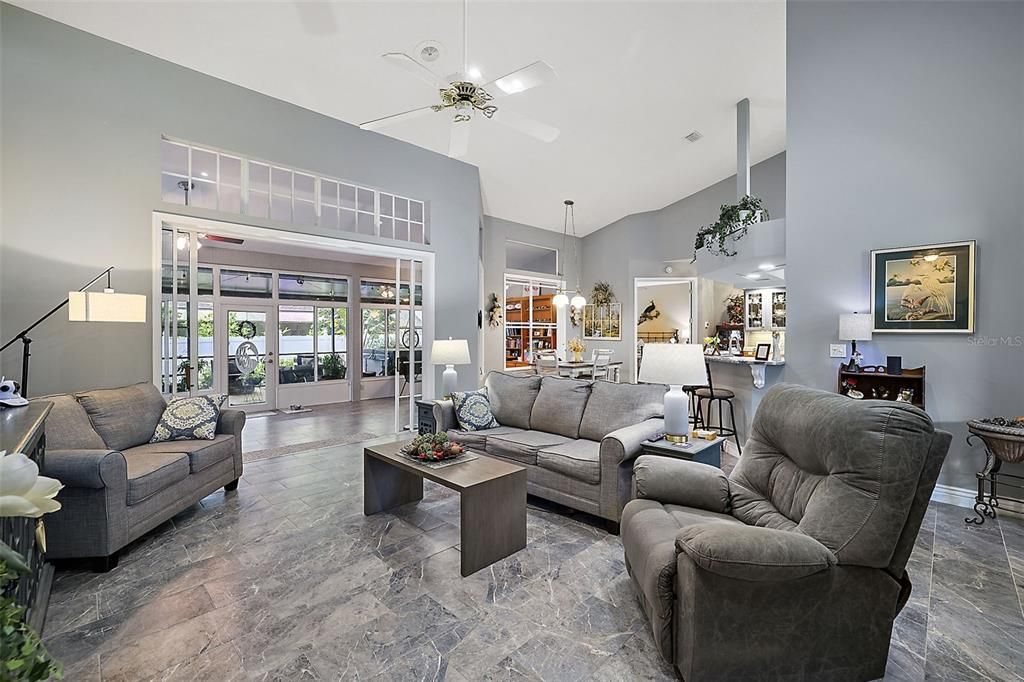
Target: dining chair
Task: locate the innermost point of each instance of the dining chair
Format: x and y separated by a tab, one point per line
600	365
547	362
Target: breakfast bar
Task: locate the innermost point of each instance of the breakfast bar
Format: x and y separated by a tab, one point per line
749	380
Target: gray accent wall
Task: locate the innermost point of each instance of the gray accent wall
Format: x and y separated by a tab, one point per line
82	119
640	244
497	233
906	127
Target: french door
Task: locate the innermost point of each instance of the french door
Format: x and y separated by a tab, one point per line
249	355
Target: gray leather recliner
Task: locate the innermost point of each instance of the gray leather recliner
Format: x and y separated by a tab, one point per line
793	566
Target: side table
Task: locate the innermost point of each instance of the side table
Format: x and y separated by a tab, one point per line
695	449
425	417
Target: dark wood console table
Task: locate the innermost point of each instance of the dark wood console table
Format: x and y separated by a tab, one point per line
22	430
875	383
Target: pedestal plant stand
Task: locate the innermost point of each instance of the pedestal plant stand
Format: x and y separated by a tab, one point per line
1004	442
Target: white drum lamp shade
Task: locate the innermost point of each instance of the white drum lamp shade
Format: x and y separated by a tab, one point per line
678	365
854	327
106	306
449	352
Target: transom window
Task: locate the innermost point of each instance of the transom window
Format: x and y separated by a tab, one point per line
206	178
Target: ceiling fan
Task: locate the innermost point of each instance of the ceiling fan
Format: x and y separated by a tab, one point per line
464	95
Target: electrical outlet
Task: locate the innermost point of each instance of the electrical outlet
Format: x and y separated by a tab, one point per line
837	350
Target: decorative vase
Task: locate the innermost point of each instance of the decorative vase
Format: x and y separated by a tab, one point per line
577	356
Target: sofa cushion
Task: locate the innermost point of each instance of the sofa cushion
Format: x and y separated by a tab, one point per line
68	426
478	439
579	459
512	398
613	406
559	406
124	417
151	472
189	418
201	453
473	410
522	446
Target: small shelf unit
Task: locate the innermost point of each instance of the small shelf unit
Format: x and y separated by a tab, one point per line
875	383
520	342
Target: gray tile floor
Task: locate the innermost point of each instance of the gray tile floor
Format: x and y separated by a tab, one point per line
287	580
375	416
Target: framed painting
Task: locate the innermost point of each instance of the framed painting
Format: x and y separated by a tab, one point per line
602	321
924	289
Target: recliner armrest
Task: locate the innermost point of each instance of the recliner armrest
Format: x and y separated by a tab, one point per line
753	552
85	468
444	415
231	422
682	482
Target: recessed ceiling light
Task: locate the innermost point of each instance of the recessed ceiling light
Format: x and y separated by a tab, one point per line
205	174
753	275
765	266
474	73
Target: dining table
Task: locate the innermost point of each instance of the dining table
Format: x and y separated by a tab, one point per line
575	370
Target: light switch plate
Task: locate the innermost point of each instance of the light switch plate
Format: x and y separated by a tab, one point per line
837	350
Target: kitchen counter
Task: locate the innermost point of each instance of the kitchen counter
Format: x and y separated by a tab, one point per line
744	360
749	380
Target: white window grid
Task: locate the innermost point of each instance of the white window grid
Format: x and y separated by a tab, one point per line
282	194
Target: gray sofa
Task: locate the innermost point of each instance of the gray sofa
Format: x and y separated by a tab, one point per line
577	439
794	566
118	485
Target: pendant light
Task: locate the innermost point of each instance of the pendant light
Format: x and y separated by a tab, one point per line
561	299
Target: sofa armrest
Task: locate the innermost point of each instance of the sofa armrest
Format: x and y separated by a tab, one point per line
682	482
753	552
86	468
623	444
618	450
444	415
231	422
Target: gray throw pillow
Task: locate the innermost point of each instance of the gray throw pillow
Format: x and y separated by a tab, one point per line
473	410
189	419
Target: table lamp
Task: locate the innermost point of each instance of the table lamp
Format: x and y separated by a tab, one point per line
678	365
449	353
854	327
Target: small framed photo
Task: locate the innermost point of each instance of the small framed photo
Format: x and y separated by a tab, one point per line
763	352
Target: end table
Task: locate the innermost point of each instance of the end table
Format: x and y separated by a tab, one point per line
695	449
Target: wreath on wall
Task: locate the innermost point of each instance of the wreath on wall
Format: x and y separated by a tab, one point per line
602	294
494	314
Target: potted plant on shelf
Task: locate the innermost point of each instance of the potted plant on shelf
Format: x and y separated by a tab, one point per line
731	226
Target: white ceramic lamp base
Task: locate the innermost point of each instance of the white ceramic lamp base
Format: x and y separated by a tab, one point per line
449	381
677	414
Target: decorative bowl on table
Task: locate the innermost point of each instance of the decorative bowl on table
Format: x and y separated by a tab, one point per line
433	447
1003	437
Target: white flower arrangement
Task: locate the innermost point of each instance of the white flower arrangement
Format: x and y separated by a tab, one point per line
23	492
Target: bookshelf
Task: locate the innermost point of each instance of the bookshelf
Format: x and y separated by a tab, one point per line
530	324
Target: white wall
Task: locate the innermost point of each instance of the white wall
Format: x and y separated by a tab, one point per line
905	128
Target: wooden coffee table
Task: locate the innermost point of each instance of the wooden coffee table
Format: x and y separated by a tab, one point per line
492	492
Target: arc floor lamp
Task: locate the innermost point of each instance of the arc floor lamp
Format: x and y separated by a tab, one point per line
84	306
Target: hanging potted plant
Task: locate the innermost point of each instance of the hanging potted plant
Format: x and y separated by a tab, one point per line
731	226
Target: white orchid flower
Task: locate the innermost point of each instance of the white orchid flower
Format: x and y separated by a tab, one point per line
23	492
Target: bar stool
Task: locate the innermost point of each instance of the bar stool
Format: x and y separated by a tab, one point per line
721	396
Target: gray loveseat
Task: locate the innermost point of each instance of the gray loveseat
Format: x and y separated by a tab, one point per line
118	485
577	439
793	566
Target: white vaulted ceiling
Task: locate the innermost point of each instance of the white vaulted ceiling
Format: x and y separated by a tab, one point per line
633	79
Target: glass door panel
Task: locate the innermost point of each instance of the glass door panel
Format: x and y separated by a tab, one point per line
249	358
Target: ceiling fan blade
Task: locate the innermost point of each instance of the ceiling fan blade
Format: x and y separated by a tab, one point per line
410	65
458	145
378	123
525	78
527	126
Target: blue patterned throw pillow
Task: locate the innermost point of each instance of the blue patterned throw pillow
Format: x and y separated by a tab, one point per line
189	419
473	410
